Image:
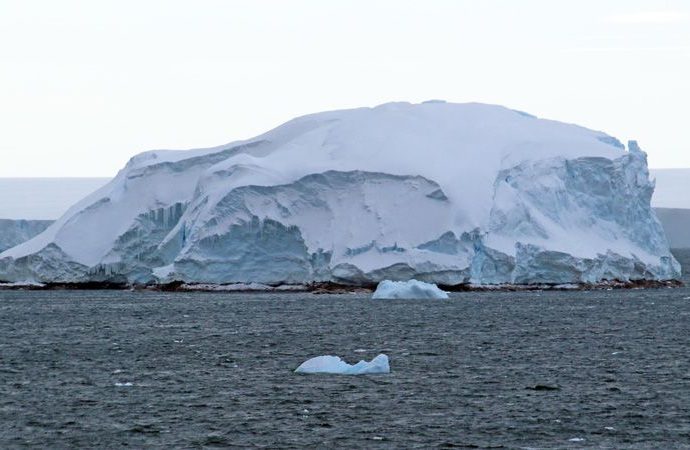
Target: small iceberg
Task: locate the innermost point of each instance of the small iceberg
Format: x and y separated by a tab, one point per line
412	289
333	364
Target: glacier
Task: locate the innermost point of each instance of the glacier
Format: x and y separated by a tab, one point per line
411	289
451	194
335	365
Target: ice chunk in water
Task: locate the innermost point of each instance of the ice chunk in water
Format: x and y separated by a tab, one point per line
333	364
407	289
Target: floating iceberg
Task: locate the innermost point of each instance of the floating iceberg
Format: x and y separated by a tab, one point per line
333	364
407	289
452	194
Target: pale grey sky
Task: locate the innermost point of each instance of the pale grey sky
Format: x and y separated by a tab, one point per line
84	85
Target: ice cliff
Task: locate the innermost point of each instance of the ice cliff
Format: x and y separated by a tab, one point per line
444	193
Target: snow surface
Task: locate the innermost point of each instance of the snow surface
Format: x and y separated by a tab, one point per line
411	289
440	192
335	365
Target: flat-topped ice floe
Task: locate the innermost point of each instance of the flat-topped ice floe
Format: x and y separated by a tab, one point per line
335	365
411	289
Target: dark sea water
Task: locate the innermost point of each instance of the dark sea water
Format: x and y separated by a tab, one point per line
109	369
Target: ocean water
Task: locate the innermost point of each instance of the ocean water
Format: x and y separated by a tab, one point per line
105	369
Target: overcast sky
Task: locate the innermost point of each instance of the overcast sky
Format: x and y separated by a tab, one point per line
84	85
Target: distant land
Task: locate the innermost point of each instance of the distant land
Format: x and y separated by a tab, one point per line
676	223
43	198
672	204
672	188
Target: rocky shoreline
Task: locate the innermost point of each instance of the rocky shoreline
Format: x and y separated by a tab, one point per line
335	288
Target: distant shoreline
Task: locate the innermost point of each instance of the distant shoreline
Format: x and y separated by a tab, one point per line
25	198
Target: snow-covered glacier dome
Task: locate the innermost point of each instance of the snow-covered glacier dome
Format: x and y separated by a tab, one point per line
440	192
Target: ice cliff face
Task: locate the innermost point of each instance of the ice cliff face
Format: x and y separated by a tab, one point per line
14	232
444	193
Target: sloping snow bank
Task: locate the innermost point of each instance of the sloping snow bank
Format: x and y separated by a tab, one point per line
333	364
411	289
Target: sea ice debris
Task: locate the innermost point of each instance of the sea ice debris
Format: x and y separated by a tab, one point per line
333	364
411	289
